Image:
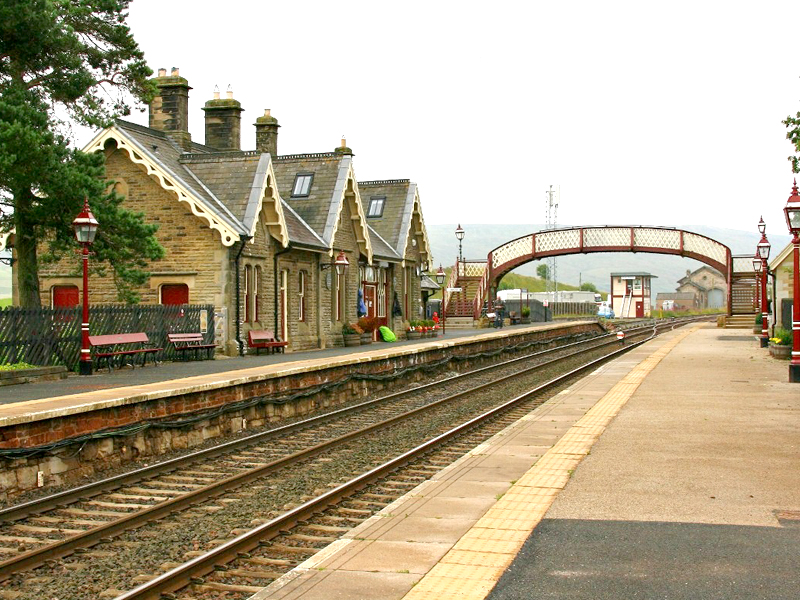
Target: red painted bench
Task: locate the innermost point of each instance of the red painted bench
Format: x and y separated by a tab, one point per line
264	339
118	346
190	341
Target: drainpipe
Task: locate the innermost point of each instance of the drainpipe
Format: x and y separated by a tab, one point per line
277	286
239	341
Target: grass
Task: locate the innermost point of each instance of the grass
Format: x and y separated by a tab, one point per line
5	302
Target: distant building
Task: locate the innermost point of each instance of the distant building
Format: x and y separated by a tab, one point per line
630	294
707	285
680	301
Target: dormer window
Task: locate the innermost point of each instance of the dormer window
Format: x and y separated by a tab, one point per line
376	206
302	184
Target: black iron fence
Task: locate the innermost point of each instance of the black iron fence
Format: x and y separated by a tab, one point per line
52	336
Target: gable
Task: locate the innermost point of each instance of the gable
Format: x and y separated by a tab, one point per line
171	177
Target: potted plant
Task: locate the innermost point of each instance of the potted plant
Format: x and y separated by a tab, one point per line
368	325
780	346
351	334
757	324
526	315
414	331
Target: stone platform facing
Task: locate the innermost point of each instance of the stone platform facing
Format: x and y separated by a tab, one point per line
233	399
671	472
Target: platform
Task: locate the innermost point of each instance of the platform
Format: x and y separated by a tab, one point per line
671	472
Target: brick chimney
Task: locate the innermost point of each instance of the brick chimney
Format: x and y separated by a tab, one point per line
169	110
267	134
224	122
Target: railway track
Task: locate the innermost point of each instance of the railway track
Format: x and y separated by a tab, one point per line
95	515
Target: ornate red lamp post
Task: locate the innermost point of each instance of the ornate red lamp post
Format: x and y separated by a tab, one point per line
762	253
440	275
85	226
792	212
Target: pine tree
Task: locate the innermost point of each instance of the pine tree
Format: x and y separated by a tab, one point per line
63	62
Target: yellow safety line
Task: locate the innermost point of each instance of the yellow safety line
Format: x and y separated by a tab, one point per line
473	566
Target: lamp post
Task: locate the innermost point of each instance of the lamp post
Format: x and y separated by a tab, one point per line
792	212
459	237
440	275
762	252
341	263
85	227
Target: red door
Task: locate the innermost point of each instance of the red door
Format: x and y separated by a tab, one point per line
369	300
65	296
639	309
175	293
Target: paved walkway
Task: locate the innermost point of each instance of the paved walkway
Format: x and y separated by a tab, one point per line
691	491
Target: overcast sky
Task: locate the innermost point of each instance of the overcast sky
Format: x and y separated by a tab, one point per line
644	113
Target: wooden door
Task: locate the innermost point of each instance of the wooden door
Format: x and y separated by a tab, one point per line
174	293
284	320
369	300
65	296
639	308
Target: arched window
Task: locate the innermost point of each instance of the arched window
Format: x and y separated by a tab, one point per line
256	286
174	293
248	277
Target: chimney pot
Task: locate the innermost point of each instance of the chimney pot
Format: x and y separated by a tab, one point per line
176	72
266	112
162	72
216	92
229	92
344	142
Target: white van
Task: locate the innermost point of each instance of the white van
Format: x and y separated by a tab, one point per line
604	310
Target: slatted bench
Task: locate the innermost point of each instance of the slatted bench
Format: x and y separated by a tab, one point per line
116	347
512	316
184	342
264	339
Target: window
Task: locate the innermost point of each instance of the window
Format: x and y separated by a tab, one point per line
301	296
174	293
341	283
302	184
381	300
376	206
256	284
247	279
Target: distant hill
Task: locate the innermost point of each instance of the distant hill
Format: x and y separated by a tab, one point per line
595	268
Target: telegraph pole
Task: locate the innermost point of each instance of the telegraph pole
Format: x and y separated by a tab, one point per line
553	195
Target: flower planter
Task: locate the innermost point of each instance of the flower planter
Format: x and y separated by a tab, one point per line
352	339
414	335
366	337
779	351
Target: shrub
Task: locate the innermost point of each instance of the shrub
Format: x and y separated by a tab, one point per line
526	312
349	328
759	319
368	324
782	337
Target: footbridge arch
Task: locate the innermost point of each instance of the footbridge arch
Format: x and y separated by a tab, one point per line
583	240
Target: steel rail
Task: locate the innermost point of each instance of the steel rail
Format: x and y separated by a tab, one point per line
189	572
35	557
19	511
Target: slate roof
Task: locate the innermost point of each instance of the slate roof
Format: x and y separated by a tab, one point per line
229	185
391	225
381	248
316	208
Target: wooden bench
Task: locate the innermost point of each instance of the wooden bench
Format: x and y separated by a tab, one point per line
184	342
513	318
117	346
264	339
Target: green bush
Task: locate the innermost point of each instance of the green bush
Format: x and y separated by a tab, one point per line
16	367
759	319
526	312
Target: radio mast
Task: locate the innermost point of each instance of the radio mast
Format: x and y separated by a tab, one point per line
553	196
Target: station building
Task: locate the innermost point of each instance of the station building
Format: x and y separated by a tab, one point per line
254	233
630	294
